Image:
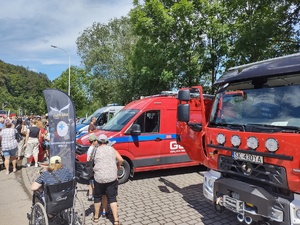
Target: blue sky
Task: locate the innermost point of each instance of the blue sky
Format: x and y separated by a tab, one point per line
29	28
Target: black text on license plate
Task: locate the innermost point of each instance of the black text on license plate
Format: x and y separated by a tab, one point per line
248	157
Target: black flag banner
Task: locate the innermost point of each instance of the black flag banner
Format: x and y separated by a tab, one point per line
61	120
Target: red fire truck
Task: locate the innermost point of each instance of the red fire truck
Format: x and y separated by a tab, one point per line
145	135
250	142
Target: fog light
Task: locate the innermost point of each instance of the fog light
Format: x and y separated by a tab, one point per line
298	213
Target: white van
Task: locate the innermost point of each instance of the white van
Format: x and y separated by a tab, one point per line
102	115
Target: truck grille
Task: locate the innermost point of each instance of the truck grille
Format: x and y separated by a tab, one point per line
268	174
80	149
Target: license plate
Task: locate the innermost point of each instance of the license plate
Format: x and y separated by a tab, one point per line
248	157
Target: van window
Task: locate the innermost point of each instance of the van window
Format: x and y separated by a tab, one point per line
120	120
102	119
149	121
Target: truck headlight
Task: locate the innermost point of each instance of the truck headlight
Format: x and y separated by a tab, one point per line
272	145
221	139
252	142
235	140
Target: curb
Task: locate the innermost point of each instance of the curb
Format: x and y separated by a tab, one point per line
29	174
25	179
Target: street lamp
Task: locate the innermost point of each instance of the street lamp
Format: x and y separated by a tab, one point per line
4	105
54	46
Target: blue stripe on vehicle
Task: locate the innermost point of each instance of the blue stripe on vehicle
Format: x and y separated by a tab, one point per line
151	137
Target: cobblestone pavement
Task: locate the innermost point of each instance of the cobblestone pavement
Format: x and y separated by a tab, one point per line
169	197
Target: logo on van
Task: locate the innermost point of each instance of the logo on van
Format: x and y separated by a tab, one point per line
174	147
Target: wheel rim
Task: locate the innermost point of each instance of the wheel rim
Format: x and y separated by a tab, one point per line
121	172
39	216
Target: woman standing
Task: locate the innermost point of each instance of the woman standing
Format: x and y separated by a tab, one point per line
21	130
9	145
106	177
33	134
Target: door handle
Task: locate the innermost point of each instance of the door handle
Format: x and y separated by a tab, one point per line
158	139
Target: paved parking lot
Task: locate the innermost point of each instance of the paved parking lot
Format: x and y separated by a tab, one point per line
168	197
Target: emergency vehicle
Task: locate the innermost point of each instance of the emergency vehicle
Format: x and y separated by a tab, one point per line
250	142
145	136
102	115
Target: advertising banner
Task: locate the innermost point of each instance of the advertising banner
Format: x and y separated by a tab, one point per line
61	120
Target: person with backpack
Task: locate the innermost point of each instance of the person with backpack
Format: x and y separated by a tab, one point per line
20	127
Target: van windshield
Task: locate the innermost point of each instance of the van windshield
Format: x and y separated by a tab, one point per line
120	120
277	106
96	114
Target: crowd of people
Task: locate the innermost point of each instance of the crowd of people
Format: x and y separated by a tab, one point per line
103	187
23	137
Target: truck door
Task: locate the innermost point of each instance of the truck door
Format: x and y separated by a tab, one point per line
147	146
191	133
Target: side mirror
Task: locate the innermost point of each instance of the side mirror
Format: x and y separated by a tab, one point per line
183	113
183	95
135	130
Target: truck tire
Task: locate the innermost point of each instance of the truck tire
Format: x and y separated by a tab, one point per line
124	172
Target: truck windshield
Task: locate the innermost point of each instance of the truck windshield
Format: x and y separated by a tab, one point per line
120	120
269	107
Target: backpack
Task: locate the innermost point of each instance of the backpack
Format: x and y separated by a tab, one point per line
18	136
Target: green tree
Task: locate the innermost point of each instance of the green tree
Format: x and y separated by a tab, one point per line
106	51
262	30
22	89
188	42
78	89
181	43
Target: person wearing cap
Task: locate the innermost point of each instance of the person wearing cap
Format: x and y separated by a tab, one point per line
55	173
9	145
94	144
93	139
107	163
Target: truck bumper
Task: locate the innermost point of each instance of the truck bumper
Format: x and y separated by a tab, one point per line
254	202
208	185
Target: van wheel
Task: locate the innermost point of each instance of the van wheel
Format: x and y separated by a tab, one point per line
124	172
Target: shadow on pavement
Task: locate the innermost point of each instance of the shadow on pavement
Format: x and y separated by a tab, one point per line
193	195
168	172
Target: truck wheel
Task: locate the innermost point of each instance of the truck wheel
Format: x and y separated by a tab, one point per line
124	172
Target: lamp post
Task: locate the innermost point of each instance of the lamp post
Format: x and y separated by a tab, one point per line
54	46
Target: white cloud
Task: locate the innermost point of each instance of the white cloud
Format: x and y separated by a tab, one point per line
28	28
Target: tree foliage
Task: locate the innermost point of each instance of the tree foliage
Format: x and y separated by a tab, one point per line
22	89
79	81
262	29
106	51
188	42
